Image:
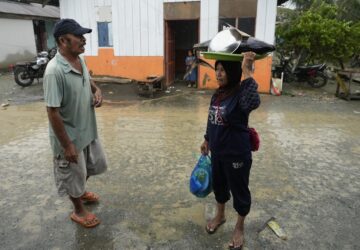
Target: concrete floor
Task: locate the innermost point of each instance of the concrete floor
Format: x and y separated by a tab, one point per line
306	174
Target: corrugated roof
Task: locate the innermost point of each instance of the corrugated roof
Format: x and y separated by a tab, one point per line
32	9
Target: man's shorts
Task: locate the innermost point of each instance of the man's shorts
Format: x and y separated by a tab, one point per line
70	178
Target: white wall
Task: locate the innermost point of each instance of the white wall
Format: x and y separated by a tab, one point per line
138	27
180	1
265	20
84	12
17	41
102	2
209	19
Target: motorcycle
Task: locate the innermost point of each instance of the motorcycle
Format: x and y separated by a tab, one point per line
26	72
314	75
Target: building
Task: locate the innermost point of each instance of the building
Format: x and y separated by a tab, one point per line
138	38
25	29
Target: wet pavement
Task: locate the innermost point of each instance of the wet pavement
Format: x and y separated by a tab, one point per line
306	175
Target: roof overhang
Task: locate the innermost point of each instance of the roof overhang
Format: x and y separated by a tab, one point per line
280	2
12	9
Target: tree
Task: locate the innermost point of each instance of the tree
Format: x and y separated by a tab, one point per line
349	10
307	4
319	35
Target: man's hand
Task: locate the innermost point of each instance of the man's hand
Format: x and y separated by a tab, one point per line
97	98
70	153
204	148
58	126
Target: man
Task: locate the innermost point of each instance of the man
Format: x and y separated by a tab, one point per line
70	97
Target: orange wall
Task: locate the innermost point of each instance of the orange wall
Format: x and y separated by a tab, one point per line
139	67
262	75
133	67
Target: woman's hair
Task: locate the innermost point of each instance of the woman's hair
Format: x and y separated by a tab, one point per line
233	73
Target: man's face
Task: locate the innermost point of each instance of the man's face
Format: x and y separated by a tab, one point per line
74	44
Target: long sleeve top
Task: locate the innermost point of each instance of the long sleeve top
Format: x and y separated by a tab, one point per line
227	127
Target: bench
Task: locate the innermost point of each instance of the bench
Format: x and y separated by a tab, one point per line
344	90
150	84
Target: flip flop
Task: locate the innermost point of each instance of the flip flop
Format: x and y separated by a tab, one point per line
88	221
90	197
209	231
235	248
231	246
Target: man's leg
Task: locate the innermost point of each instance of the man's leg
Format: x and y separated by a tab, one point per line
81	215
71	179
79	208
95	164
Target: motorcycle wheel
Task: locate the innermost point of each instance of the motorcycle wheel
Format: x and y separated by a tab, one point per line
317	81
22	77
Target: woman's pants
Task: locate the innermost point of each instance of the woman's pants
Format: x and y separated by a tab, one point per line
232	175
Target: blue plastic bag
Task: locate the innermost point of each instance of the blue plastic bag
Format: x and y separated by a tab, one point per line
201	177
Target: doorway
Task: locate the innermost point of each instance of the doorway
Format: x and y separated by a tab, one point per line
40	35
180	36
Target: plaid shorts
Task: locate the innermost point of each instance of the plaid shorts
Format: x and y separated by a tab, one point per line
70	178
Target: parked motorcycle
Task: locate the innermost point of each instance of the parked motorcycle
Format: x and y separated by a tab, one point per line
314	75
26	72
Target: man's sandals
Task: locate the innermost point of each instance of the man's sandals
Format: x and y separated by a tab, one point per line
90	197
213	230
88	221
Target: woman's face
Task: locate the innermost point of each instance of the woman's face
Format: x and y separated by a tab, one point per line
221	75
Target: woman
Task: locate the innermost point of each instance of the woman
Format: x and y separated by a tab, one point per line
191	78
227	137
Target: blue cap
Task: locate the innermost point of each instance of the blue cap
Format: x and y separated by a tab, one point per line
69	26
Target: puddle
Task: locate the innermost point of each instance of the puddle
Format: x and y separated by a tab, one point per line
308	156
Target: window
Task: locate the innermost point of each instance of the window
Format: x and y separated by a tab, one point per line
246	24
105	38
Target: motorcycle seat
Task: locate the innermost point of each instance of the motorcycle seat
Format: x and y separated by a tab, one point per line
316	66
25	63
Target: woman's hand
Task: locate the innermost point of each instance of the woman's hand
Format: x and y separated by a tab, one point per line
248	64
204	148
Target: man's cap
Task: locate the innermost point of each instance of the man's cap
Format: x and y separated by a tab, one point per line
69	26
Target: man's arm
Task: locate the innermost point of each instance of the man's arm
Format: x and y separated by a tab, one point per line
97	94
57	124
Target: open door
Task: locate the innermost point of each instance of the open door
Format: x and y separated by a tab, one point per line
40	35
169	53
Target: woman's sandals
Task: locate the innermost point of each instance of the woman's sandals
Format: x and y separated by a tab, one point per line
213	230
